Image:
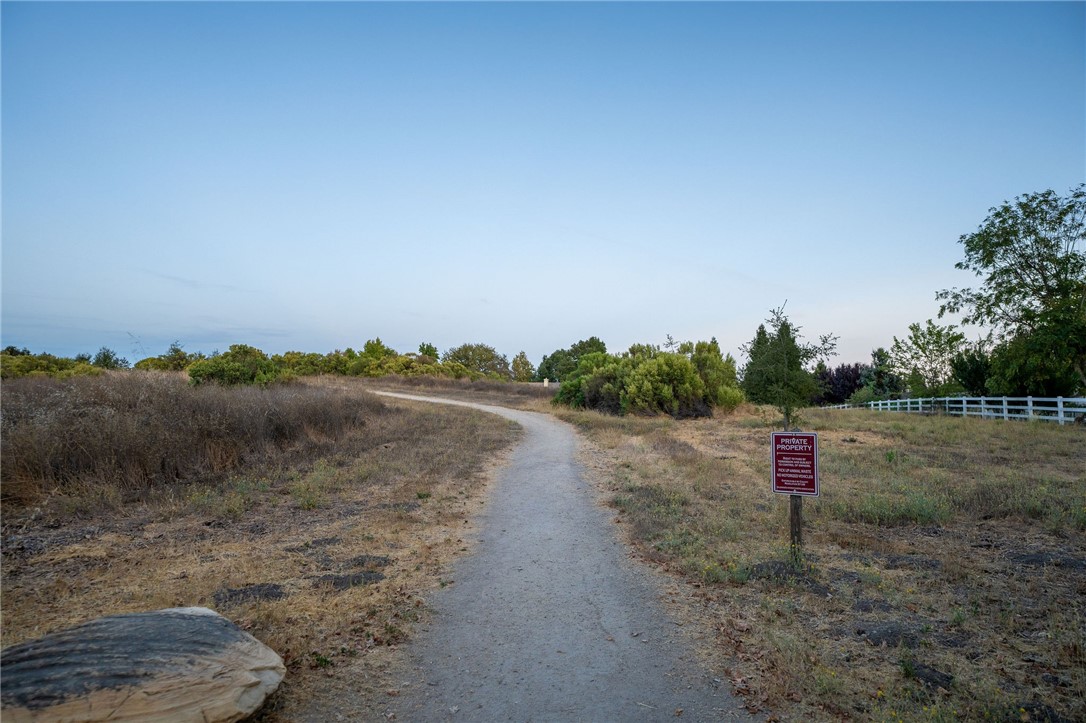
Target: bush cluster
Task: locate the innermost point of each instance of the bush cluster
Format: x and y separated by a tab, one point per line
690	382
242	364
15	362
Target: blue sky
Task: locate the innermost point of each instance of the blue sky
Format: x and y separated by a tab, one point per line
311	175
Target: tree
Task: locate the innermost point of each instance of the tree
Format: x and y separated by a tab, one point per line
555	366
481	359
523	371
840	383
106	358
1030	254
776	370
971	368
562	362
646	380
717	372
377	349
427	349
175	359
241	364
878	381
923	358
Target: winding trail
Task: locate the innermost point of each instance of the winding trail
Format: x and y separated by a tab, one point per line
548	619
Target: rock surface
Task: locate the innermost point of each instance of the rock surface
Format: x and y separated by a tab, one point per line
179	664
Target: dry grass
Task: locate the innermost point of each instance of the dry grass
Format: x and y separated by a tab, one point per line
961	544
484	391
324	546
940	547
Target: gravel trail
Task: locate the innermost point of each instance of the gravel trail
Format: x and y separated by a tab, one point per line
548	619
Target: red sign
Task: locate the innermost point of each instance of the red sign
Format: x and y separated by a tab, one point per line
795	463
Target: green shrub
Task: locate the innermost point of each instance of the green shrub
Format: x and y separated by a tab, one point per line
17	365
242	364
646	380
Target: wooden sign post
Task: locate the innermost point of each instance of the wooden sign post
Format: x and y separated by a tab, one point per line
795	473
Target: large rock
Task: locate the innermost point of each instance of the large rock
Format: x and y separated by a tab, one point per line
180	664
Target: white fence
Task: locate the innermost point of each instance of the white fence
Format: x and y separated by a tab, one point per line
1063	410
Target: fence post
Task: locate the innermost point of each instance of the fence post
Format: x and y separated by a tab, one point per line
1059	409
965	408
1029	408
1004	409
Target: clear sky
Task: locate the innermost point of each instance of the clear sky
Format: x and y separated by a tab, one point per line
311	175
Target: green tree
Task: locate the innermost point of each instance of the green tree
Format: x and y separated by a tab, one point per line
429	350
175	359
776	371
241	364
924	358
878	381
377	349
1030	256
106	358
558	365
481	359
971	368
717	372
651	383
523	371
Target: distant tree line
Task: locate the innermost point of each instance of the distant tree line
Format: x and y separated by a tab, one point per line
244	364
1029	255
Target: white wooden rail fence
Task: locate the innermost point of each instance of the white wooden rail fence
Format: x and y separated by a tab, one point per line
1062	410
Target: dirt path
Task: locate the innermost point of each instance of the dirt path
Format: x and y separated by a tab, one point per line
549	619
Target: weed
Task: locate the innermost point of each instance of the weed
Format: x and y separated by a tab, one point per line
681	543
309	494
826	682
890	510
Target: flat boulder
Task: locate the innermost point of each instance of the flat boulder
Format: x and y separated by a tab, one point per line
179	664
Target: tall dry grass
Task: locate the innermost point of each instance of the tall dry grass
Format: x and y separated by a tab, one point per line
138	433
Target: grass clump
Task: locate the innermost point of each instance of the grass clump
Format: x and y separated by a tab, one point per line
886	510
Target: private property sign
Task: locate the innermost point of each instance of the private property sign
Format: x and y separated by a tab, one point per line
795	463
